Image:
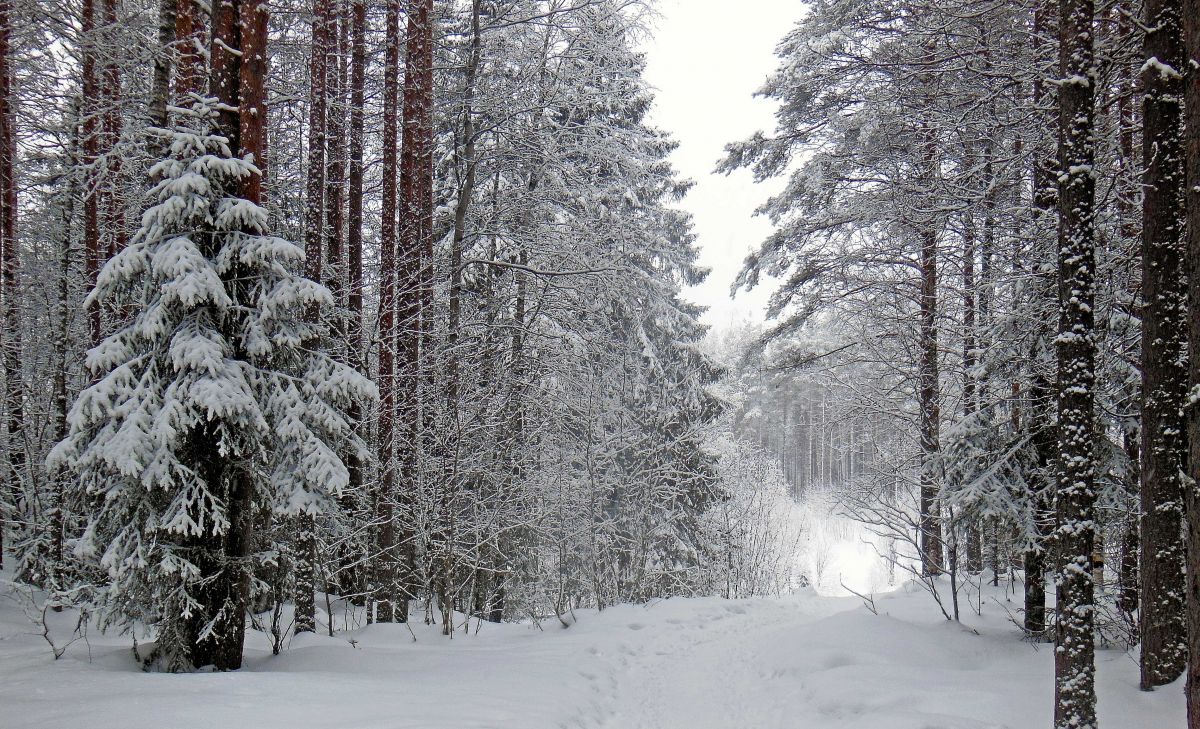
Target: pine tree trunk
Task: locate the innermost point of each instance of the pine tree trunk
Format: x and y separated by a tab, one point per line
1075	692
335	174
931	542
354	193
252	119
112	220
315	223
385	592
62	353
415	252
1128	590
161	90
969	394
9	286
1191	36
91	160
354	269
190	45
1035	558
1164	369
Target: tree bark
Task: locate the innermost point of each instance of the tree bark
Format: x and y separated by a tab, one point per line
112	219
163	62
10	286
1075	692
90	92
1191	36
1164	368
932	559
238	69
416	256
385	592
970	395
314	234
190	49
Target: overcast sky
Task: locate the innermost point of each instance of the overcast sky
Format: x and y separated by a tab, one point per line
706	60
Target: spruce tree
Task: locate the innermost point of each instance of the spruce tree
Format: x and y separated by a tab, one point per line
209	403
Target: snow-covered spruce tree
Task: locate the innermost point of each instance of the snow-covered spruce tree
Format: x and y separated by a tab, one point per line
208	406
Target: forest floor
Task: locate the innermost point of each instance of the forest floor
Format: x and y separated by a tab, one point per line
802	662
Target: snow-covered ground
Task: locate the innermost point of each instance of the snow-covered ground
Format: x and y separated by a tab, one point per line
803	661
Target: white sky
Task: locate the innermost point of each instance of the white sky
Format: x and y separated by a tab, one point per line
707	59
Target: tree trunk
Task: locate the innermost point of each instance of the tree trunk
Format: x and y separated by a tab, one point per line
969	394
91	160
1128	590
932	559
314	234
1035	558
385	592
1075	691
161	90
237	74
1191	35
112	220
190	49
415	251
1164	369
9	287
354	270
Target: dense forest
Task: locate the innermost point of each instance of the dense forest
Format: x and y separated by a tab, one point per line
320	314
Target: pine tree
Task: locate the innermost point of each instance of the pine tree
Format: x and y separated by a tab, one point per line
210	403
1074	658
315	224
388	603
414	302
1190	17
10	342
1164	353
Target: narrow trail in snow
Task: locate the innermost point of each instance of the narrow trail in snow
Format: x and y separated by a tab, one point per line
702	668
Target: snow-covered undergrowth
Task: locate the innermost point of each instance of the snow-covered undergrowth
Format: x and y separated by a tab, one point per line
839	554
802	661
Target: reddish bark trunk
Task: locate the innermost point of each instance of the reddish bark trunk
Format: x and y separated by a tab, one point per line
335	175
354	201
385	576
416	248
314	234
113	203
90	104
189	44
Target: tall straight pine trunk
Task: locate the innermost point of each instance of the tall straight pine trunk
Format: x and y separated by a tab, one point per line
354	251
415	253
384	580
1164	358
928	390
314	234
1191	37
9	285
1074	664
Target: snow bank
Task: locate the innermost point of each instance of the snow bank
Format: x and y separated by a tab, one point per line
802	661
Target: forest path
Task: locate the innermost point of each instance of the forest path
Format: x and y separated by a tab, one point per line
806	662
705	669
796	662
